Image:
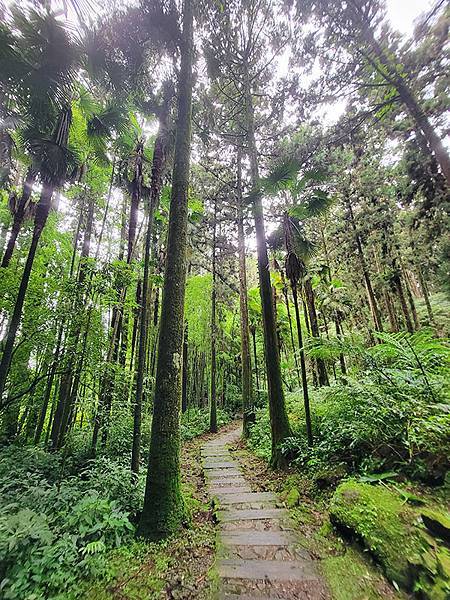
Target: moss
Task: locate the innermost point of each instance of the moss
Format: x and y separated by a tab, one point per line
437	523
393	534
350	577
293	498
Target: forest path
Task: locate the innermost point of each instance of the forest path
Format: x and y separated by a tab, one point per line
259	557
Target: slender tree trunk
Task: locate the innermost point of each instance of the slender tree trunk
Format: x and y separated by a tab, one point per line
337	323
19	216
185	381
411	303
255	356
393	321
425	294
279	421
309	294
291	331
213	382
158	164
302	366
403	304
246	366
163	511
48	389
374	309
42	212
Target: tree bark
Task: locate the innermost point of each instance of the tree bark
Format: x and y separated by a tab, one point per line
19	216
163	512
302	366
158	164
373	304
213	382
42	212
279	421
246	365
309	294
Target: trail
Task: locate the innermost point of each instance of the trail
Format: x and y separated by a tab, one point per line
259	556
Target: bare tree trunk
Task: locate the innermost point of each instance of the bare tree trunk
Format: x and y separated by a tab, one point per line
163	511
213	397
19	216
246	365
303	367
159	159
374	309
280	428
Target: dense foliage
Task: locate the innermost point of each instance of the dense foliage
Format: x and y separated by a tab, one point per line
211	210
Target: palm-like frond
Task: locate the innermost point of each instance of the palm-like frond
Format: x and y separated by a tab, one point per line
112	119
282	176
38	63
418	351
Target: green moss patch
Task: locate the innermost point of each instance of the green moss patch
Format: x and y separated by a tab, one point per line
394	534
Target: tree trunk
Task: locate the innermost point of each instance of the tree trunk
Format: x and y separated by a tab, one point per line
309	294
401	296
158	164
411	302
19	216
374	309
303	367
163	511
425	294
213	382
337	323
246	366
184	378
255	356
279	421
48	389
42	212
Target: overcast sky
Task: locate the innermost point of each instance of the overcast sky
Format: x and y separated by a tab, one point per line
403	12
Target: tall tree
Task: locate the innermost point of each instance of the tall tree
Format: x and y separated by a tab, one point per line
163	511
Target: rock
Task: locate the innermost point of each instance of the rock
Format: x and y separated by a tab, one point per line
293	498
392	532
437	523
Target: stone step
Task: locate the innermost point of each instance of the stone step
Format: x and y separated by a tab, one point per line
232	489
226	596
223	474
272	570
258	538
213	455
219	465
243	486
251	514
228	497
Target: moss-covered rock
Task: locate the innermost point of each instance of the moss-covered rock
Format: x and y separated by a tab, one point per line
437	523
292	498
393	532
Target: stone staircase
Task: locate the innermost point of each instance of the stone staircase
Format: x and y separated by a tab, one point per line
259	556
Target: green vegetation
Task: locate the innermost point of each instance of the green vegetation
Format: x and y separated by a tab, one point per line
212	210
390	529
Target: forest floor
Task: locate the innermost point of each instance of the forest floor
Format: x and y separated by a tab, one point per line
197	563
182	568
348	573
258	549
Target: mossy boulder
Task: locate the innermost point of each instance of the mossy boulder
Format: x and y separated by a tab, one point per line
292	498
394	534
437	523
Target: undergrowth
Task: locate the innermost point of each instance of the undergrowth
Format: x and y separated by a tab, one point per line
389	413
66	519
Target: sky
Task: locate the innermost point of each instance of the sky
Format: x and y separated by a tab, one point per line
402	13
